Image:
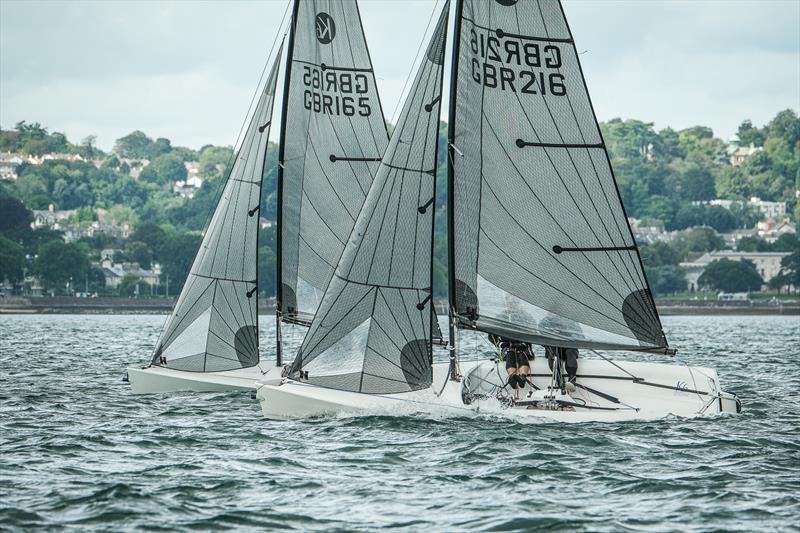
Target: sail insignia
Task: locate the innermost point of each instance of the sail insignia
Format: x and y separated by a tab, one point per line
372	333
541	249
214	324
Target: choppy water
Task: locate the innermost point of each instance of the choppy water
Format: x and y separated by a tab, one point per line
78	450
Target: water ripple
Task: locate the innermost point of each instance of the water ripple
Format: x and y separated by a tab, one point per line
78	451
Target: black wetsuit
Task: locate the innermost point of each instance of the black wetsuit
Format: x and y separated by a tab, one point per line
517	354
568	355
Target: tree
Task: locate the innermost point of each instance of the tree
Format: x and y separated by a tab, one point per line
666	279
152	235
88	148
778	282
752	244
15	217
785	125
659	254
139	252
12	260
697	183
177	256
788	242
59	263
749	134
697	240
132	285
135	145
164	169
731	276
790	267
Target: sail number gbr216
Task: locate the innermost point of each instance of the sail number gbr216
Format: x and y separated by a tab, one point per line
510	65
332	92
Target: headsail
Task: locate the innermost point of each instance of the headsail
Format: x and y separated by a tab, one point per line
214	325
372	333
333	136
540	249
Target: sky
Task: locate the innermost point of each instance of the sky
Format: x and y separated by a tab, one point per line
187	70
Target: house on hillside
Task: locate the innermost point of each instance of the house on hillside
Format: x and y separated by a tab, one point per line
115	272
737	154
9	165
51	218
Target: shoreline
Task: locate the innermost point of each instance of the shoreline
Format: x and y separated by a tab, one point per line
134	306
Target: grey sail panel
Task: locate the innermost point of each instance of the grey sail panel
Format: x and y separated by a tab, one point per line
541	249
214	325
372	333
332	142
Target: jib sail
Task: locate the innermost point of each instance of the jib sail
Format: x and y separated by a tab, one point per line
214	325
372	333
333	136
540	249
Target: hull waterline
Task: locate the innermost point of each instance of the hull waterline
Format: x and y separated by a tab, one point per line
642	391
157	379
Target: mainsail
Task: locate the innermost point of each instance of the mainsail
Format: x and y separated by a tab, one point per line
540	246
372	333
214	325
332	138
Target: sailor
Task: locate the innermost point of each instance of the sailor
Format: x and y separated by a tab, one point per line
569	358
517	356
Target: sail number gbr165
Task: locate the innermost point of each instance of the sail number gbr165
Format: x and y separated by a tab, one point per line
333	92
510	65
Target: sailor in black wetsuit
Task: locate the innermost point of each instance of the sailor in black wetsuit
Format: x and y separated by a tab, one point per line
517	356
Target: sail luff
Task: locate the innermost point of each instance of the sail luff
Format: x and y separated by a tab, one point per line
451	154
279	200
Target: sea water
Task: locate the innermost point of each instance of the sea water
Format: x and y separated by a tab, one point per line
78	450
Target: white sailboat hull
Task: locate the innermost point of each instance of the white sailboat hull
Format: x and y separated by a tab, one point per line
659	390
157	379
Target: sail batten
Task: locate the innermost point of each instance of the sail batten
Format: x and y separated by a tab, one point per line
540	244
373	330
214	324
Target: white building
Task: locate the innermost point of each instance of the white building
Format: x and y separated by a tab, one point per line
769	209
115	272
768	264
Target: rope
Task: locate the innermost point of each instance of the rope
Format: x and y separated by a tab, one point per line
615	364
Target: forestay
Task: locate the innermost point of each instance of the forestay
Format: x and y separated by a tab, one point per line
214	325
333	137
540	242
372	333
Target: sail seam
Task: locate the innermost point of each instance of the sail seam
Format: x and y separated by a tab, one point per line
500	33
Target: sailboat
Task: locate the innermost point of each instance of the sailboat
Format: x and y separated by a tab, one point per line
332	137
539	247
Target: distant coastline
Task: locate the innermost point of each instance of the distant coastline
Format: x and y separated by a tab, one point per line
111	305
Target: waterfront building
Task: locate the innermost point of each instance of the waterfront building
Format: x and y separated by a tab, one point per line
768	264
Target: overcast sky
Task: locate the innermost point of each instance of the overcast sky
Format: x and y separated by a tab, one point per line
186	70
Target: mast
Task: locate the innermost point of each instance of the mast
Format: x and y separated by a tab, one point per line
281	149
451	153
